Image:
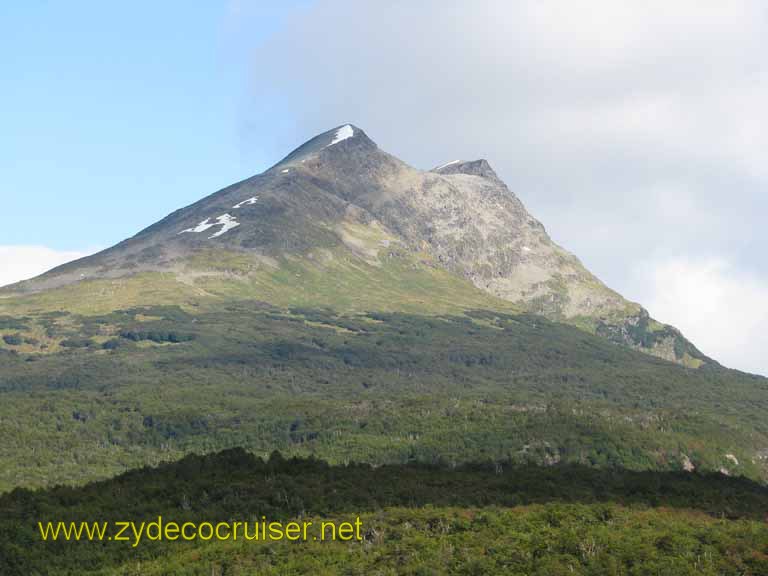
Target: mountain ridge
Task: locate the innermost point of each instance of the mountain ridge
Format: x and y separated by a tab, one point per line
338	196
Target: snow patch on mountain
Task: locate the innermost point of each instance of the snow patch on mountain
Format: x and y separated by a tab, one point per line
202	227
226	222
342	133
247	202
451	163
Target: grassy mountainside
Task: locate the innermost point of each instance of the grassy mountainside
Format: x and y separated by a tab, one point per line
416	519
148	384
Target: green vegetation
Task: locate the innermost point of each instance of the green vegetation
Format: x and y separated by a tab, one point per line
337	280
559	540
156	336
483	518
327	277
92	297
159	382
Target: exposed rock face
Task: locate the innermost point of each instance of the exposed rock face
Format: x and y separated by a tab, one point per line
460	217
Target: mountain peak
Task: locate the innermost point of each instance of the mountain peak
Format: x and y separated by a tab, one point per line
341	137
479	167
339	198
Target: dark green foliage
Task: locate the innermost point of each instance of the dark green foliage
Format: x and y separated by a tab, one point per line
77	343
11	323
157	336
236	485
13	339
111	344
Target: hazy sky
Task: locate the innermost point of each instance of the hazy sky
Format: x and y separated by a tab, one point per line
636	131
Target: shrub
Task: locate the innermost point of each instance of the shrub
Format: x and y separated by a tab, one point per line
13	339
158	336
111	344
76	342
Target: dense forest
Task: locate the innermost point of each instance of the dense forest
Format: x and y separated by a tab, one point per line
147	385
481	518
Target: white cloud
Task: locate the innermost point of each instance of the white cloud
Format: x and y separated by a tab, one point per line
23	262
685	77
606	33
722	310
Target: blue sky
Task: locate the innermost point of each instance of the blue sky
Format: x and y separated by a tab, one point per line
635	131
115	114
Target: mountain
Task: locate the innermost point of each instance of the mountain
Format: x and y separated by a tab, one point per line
337	208
346	306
